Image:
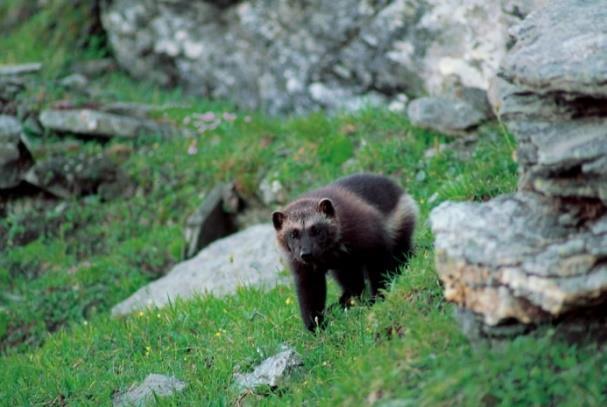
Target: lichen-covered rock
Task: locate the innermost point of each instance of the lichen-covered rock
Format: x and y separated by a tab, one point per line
552	94
447	115
540	254
78	175
286	55
18	70
520	257
154	385
211	221
245	258
15	158
94	123
272	371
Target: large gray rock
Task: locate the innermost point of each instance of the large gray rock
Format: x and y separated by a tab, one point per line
287	55
247	258
154	385
212	220
78	175
447	115
88	122
540	254
272	371
552	95
15	158
519	257
18	70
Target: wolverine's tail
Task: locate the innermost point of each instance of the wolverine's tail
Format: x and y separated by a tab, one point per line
400	225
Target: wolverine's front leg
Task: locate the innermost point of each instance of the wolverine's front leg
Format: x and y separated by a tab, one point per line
311	286
352	281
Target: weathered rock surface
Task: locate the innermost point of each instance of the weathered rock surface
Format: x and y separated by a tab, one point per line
22	69
15	158
290	56
144	393
246	258
88	122
552	94
272	371
214	219
446	115
519	257
79	175
540	254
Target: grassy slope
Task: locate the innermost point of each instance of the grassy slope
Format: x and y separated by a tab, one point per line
94	254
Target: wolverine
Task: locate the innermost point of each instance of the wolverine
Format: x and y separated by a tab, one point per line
358	228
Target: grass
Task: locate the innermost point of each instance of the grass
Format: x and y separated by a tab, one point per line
64	264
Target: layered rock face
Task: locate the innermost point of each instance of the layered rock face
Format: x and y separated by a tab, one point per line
540	254
294	56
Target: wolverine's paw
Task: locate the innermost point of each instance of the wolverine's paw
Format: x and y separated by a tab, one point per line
316	324
346	301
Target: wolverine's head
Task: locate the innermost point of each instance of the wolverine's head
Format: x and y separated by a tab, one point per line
307	229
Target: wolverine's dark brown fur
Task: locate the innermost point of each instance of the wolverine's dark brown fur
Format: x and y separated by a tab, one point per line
359	225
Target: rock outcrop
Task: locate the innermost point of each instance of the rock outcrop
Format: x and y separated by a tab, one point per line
292	56
447	115
15	158
213	219
93	123
540	254
272	371
154	385
245	258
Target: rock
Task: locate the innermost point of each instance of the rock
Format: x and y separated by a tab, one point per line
245	258
519	258
68	176
446	115
95	67
552	95
271	372
10	87
18	70
462	148
539	255
211	221
131	109
288	56
15	158
74	81
154	385
94	123
272	191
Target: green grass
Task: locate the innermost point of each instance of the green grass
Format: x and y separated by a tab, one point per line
64	265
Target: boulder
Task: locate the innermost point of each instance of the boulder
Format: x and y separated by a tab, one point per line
18	70
15	158
271	372
539	255
154	385
214	219
444	114
95	67
245	258
289	56
92	123
520	258
67	176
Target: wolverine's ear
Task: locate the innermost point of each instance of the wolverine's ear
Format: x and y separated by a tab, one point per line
277	219
326	206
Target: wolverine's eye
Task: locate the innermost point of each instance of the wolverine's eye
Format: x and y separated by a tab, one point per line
295	234
313	230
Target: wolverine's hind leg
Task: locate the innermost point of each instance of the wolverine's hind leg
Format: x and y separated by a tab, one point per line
401	225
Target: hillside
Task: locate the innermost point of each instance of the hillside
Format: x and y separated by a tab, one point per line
64	262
